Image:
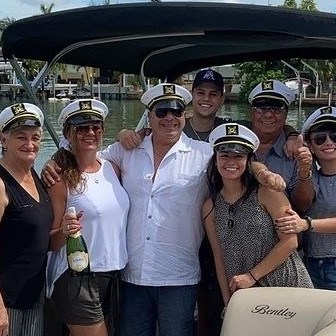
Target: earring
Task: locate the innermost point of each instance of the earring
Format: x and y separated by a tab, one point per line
4	149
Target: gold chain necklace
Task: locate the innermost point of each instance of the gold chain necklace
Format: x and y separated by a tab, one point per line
155	152
196	133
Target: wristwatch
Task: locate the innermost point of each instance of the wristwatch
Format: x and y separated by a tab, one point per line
309	221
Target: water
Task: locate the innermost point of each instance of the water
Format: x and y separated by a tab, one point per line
126	114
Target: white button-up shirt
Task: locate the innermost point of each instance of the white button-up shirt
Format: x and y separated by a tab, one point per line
165	229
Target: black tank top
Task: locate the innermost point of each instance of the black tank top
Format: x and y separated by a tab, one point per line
24	241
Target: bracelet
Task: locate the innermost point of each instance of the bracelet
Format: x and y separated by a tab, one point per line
309	222
259	172
294	133
307	177
252	276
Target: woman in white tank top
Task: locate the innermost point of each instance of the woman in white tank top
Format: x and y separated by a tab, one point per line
91	185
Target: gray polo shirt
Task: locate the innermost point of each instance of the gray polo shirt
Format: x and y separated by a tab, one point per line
321	245
277	162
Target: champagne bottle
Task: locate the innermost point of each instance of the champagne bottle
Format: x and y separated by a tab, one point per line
76	250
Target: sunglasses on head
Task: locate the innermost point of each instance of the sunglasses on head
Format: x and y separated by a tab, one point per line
83	129
320	138
162	112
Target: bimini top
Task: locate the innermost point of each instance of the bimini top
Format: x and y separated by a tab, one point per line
172	37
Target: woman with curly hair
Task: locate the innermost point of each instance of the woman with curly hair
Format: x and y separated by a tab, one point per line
91	185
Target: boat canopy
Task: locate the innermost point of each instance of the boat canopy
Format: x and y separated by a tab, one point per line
168	39
165	40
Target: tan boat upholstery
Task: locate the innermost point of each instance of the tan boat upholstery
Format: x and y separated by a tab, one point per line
281	311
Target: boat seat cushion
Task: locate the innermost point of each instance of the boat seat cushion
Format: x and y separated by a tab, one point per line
279	311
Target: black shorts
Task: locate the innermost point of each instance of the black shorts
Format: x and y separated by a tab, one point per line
86	299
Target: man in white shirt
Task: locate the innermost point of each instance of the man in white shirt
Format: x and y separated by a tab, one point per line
164	178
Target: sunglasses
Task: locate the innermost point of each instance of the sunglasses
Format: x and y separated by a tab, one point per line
162	112
83	129
320	138
273	109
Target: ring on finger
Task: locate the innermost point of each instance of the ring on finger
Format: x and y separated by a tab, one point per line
68	227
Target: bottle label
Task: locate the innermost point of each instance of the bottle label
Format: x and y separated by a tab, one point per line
78	261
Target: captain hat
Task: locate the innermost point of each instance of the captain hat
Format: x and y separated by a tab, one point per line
233	137
323	115
82	111
167	95
272	89
21	114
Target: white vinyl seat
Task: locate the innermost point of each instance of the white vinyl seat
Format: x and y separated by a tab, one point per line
281	311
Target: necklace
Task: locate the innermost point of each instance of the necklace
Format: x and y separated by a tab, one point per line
158	154
206	139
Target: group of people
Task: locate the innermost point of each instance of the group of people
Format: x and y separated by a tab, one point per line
143	204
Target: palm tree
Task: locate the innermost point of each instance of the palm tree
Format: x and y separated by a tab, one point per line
45	8
4	23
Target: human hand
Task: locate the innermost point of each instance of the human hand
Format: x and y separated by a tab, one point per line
241	281
271	180
292	223
290	146
130	139
303	157
71	224
3	319
50	173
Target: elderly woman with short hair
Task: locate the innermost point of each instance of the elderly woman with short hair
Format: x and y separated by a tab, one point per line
25	219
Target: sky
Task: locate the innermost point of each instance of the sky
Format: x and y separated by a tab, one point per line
19	9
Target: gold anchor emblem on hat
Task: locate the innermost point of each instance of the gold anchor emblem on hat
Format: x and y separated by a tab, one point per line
232	130
85	105
18	108
267	85
168	89
326	110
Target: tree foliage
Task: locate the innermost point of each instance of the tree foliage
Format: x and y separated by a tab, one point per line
308	5
290	4
252	73
46	8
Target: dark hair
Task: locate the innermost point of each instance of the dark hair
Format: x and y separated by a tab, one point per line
215	182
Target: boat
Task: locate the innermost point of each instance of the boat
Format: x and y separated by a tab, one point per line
165	40
294	84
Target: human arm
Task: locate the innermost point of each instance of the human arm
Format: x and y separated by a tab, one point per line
303	193
210	228
63	223
3	318
290	145
130	139
267	178
50	173
275	203
3	310
293	223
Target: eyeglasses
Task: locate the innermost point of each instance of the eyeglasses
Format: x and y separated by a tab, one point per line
162	112
83	129
320	138
273	109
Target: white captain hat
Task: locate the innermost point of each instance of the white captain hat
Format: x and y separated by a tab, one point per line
272	89
21	114
233	137
323	115
167	95
82	111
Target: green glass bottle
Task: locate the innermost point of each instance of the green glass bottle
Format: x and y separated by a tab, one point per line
76	250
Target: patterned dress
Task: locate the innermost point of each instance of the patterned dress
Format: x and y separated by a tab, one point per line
246	234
